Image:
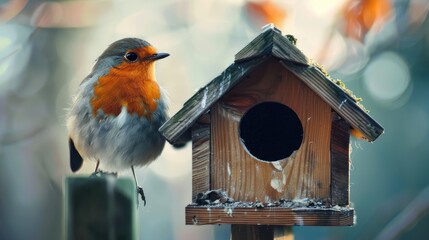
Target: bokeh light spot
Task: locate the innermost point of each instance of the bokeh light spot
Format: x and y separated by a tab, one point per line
387	77
12	37
5	42
3	68
322	7
173	163
415	134
334	55
356	57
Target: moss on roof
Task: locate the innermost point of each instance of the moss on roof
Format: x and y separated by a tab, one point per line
292	39
341	84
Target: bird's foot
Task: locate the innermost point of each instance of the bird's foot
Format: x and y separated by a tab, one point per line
141	193
97	173
100	173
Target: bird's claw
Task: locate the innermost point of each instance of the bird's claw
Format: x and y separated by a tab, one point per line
141	193
97	173
100	173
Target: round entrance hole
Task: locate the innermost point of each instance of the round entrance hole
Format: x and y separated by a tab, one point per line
270	131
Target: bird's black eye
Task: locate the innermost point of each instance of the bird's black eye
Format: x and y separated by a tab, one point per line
131	56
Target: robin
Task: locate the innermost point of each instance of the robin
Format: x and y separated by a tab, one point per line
118	109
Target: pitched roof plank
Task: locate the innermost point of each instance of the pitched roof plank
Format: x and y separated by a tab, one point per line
284	49
259	46
205	97
271	42
340	101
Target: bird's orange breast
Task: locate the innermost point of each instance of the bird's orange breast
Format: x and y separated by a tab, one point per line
130	85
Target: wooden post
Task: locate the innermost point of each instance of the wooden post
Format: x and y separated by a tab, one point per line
260	232
100	208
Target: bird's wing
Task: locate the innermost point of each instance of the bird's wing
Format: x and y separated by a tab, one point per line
75	158
87	78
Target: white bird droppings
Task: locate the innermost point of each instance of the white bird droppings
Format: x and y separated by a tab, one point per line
277	184
204	101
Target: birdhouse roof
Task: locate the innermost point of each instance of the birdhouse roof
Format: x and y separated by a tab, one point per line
271	43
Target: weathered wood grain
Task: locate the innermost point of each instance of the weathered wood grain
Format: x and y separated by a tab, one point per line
271	42
198	104
203	215
340	163
201	155
340	101
260	232
305	174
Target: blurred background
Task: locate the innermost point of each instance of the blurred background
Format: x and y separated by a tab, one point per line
379	48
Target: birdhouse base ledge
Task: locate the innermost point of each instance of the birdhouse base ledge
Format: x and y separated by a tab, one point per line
260	214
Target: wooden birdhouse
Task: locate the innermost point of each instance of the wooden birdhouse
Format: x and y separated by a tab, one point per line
271	135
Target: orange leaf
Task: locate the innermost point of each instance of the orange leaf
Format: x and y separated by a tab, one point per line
266	11
361	15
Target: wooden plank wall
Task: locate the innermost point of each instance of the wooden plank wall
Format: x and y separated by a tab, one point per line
201	155
340	163
305	174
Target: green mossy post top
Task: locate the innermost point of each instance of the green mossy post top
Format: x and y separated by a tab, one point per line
100	208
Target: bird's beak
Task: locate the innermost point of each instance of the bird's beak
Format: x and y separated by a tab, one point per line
158	56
